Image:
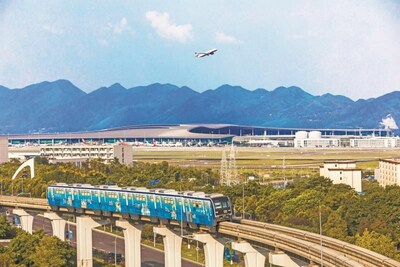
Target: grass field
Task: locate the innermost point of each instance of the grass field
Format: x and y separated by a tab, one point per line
264	160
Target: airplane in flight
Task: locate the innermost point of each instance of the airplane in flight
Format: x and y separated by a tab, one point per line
207	53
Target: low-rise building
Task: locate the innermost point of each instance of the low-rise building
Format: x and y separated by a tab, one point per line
342	172
335	164
124	153
3	150
81	153
388	172
314	139
375	142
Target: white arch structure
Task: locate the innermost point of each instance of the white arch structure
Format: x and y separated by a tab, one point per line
29	163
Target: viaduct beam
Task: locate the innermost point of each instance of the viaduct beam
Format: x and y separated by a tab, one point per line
26	220
84	226
252	257
280	258
132	236
172	246
57	223
213	249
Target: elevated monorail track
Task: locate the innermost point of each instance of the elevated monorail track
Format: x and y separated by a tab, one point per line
333	252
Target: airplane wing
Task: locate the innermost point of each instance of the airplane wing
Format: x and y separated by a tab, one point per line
208	53
211	52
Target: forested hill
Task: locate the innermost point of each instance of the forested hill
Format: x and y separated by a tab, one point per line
61	106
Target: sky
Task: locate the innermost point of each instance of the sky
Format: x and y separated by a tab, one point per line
342	47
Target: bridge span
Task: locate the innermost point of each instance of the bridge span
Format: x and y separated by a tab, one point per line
319	250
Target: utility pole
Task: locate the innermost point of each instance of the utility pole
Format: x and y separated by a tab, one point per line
320	234
284	172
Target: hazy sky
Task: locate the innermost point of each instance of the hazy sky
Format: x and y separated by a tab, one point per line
349	47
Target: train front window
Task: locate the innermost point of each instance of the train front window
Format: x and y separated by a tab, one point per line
217	205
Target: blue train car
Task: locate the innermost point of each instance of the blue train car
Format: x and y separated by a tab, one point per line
194	208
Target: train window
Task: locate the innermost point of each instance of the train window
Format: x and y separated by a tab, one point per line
224	204
140	197
167	200
111	195
217	205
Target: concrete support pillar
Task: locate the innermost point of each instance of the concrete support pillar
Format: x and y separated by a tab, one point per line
213	250
84	226
132	236
57	223
252	257
172	246
25	219
279	258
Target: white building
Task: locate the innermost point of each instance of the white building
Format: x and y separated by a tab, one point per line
81	153
335	164
342	172
388	172
375	142
124	153
3	150
314	139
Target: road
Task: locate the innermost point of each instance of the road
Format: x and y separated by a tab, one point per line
105	242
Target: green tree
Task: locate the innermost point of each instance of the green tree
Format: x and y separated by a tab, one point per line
52	252
5	259
22	247
5	228
335	226
147	232
377	242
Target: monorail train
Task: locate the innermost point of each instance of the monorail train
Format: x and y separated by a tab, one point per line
197	209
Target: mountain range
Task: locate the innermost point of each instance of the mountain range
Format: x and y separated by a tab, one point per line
60	106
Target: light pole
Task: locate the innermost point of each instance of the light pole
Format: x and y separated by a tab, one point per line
115	251
320	234
243	202
182	205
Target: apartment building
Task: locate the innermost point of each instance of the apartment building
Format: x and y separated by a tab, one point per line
342	172
81	153
388	172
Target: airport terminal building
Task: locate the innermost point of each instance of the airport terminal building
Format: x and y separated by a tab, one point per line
200	135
